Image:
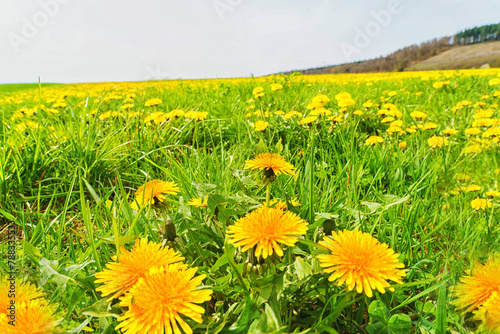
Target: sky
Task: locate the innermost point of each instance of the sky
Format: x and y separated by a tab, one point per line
68	41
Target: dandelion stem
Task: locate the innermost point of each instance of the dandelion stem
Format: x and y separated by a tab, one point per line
268	194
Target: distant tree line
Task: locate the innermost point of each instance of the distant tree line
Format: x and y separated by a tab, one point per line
411	55
398	60
481	34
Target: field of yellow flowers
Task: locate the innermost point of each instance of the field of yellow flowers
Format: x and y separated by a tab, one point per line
349	203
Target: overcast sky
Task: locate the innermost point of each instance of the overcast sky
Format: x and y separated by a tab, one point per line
122	40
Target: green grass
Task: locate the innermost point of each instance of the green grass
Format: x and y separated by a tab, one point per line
69	180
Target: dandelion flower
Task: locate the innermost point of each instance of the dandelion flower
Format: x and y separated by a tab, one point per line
489	313
494	81
360	261
372	140
258	92
272	161
153	102
153	190
260	125
436	141
472	131
475	148
199	202
472	188
492	193
32	317
430	126
418	115
308	120
265	228
474	290
156	302
119	277
24	292
449	132
402	145
276	86
480	204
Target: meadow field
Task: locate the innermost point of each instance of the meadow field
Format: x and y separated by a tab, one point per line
348	203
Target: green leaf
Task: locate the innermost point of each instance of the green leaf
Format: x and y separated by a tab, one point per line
7	215
302	269
102	309
30	250
378	312
248	315
400	324
261	147
220	262
377	328
268	323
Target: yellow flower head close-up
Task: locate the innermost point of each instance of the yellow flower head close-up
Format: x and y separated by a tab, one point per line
199	202
155	304
35	316
266	228
480	204
489	314
152	191
436	141
119	277
373	140
153	102
273	161
360	261
474	290
260	125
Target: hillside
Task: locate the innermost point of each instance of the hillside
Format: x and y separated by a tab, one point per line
470	48
462	57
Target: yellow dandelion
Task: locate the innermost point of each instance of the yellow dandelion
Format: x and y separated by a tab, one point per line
373	140
360	261
387	119
492	193
436	141
153	102
265	228
494	81
474	290
368	104
472	188
260	125
449	132
489	314
472	131
480	204
308	120
155	304
258	92
153	191
267	161
430	126
321	98
31	317
358	112
119	277
276	86
418	115
23	292
199	202
402	145
476	148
